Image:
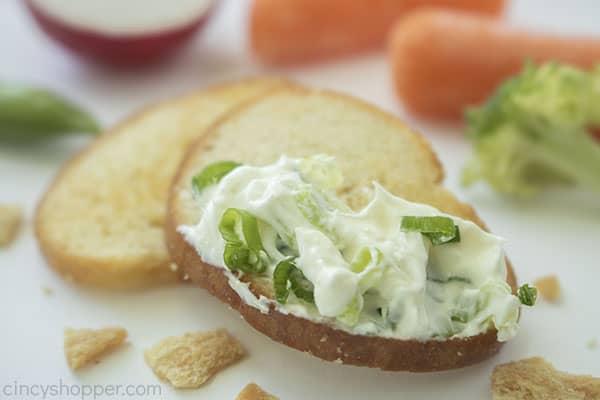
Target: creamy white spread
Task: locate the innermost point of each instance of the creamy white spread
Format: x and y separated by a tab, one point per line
409	289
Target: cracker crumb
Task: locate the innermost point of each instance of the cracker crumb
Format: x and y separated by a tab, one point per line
536	379
254	392
173	267
84	346
189	360
47	291
548	287
592	344
11	219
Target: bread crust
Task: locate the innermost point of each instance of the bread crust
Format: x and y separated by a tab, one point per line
320	340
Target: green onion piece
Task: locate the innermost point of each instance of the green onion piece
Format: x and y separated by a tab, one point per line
286	271
238	257
450	279
362	260
302	287
235	221
280	279
212	174
440	230
351	313
244	250
368	257
459	316
527	295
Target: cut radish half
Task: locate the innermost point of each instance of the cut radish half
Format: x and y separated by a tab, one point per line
121	32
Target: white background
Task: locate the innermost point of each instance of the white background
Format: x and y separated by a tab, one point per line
557	233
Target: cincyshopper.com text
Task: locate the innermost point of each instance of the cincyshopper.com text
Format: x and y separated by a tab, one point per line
62	390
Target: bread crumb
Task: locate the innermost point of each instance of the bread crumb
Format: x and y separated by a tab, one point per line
47	291
83	346
536	379
592	344
338	361
323	339
254	392
188	361
173	267
11	219
186	277
548	287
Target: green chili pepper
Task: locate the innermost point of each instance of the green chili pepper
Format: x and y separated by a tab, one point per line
244	250
440	230
28	113
212	174
286	271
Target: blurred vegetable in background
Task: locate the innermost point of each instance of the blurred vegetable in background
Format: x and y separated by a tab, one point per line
294	31
28	113
534	132
443	61
121	33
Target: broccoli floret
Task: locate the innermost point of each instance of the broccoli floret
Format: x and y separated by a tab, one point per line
533	132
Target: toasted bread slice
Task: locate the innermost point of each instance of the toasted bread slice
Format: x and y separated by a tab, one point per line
369	145
101	221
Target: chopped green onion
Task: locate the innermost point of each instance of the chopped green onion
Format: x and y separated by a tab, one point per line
238	257
351	313
235	221
244	250
440	230
286	271
450	279
368	258
459	316
527	295
280	279
212	174
302	287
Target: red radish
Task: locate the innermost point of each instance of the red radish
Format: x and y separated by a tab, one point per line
293	31
121	32
443	61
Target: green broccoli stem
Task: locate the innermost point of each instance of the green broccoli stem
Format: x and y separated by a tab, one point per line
574	154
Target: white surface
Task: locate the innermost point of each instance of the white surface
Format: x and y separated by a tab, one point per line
558	233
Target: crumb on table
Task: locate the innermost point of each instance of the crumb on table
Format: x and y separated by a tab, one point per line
254	392
84	346
189	360
11	219
548	287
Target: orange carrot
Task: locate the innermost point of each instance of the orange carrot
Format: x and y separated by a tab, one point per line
292	31
443	61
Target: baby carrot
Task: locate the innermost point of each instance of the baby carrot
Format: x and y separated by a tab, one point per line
443	61
293	31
